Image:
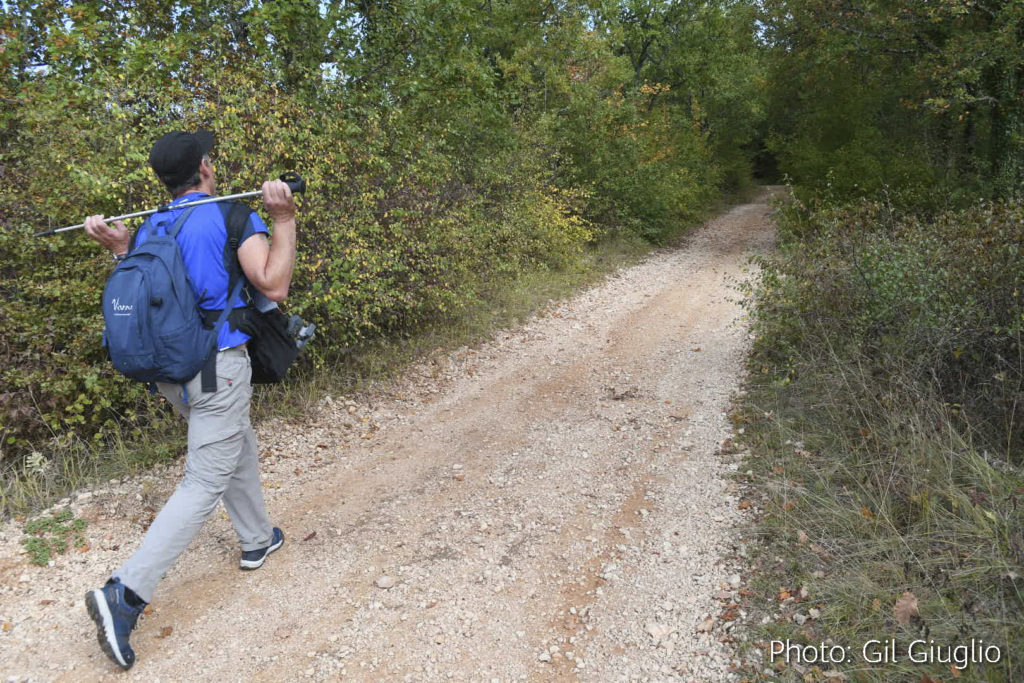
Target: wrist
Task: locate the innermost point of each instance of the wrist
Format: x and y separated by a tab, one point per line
118	257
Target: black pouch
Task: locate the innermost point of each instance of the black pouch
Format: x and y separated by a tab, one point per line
271	349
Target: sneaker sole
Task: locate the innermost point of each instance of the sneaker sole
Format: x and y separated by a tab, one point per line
256	564
100	613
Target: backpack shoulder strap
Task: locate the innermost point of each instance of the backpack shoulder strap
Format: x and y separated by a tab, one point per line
135	237
236	219
180	223
236	216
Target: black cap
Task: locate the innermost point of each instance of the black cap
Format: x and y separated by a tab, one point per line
176	156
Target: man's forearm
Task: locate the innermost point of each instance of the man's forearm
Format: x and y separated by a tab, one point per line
270	269
281	259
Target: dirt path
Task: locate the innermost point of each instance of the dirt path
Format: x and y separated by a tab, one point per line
552	504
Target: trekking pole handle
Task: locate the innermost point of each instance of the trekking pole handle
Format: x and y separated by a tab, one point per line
294	181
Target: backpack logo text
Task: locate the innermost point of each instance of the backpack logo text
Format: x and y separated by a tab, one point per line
121	309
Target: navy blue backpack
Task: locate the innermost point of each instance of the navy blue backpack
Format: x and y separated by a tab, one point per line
154	327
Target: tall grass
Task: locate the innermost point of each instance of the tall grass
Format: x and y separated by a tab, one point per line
69	462
875	481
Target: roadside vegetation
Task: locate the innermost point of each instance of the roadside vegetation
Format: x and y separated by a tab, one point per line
461	158
886	385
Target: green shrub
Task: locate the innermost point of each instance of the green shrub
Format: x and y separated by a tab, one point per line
934	301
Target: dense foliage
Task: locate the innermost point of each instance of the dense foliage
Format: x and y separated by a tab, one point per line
932	307
887	378
918	96
446	144
902	126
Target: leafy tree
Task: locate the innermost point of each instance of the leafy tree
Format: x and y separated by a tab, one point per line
904	94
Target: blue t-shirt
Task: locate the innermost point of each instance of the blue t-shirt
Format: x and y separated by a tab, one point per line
202	240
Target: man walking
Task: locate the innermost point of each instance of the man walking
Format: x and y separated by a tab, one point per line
222	462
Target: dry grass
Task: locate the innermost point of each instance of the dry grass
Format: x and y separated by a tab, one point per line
868	494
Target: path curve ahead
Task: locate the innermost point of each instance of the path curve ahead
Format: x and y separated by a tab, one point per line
551	504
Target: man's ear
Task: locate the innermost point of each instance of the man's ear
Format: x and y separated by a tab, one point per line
206	168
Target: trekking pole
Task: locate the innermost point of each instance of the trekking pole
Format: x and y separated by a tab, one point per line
291	178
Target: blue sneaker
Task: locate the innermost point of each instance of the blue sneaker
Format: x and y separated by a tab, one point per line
253	559
115	620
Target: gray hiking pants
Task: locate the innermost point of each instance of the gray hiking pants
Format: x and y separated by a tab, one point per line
222	464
